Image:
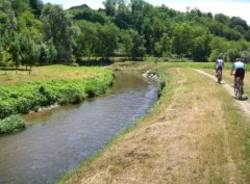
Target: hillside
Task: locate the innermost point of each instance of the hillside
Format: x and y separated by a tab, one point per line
161	31
34	33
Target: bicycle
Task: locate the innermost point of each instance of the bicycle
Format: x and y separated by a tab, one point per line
219	75
238	88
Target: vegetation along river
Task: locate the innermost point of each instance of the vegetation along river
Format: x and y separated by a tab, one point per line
58	140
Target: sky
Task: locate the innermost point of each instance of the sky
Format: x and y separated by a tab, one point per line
238	8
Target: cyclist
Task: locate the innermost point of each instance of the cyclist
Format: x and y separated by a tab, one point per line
219	65
238	70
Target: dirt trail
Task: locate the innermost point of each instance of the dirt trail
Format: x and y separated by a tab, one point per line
192	140
245	106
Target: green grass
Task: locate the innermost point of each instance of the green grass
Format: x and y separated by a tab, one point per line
11	124
46	73
65	85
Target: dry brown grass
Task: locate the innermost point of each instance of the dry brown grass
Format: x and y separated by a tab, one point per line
193	139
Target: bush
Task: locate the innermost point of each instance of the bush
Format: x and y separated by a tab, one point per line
31	96
11	124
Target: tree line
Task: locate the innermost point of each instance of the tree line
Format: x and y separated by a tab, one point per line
36	33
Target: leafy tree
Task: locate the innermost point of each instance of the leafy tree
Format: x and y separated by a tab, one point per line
220	44
85	13
107	40
245	55
7	60
247	35
29	51
87	41
200	49
8	22
27	22
58	27
214	55
1	53
138	49
37	6
163	47
126	40
14	51
19	6
222	18
123	16
111	6
237	21
47	53
182	40
133	43
232	55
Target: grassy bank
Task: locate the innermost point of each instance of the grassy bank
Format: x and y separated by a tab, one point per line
50	85
196	134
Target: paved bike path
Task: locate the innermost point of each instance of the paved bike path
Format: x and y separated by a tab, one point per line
244	105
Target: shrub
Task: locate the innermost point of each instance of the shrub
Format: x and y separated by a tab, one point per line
32	95
11	124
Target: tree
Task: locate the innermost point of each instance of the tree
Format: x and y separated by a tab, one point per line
214	55
111	6
220	44
126	40
8	21
245	55
58	27
107	40
29	51
163	47
138	49
222	18
7	60
52	53
27	22
14	51
47	53
237	21
200	49
37	6
232	55
182	40
87	41
247	35
19	6
1	53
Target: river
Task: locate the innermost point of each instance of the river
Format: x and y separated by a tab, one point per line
58	140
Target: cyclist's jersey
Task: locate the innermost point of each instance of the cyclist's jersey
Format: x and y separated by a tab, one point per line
220	63
238	65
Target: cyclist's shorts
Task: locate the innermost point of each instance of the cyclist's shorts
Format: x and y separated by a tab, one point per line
240	73
219	68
